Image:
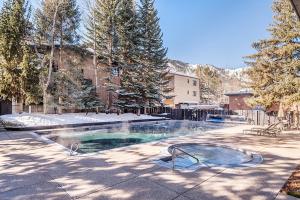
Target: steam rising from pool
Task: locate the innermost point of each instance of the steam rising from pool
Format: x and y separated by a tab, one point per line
97	138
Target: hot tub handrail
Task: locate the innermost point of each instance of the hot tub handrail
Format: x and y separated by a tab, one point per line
73	151
174	155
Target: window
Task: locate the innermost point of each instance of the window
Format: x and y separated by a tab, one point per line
188	92
82	71
115	71
194	93
188	81
194	83
55	67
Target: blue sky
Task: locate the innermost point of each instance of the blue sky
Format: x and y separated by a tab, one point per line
218	32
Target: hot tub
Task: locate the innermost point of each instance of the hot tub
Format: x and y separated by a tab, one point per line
192	156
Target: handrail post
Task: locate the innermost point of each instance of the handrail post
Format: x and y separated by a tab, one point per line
173	158
174	155
75	150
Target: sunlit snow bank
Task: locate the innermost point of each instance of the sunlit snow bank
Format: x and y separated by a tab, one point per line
32	120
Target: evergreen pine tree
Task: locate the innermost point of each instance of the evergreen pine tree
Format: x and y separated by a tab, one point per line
66	85
30	76
129	93
66	25
67	22
273	67
209	85
152	55
88	97
105	22
91	39
56	22
14	54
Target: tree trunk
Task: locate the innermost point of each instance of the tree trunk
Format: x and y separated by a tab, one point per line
51	60
60	101
138	112
45	102
21	105
61	45
109	100
14	105
110	65
95	53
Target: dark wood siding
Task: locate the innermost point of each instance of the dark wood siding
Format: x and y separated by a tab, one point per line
238	102
5	107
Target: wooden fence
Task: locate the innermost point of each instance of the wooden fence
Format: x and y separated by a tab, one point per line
255	117
194	115
258	117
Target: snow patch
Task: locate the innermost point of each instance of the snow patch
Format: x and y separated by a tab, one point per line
33	120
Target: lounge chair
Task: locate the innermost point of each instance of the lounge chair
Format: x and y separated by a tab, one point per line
260	131
271	132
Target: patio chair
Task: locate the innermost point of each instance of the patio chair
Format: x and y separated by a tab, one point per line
271	132
259	131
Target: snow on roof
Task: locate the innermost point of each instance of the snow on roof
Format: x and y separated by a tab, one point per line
90	50
172	71
189	102
241	92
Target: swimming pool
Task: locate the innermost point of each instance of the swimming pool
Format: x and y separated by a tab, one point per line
99	138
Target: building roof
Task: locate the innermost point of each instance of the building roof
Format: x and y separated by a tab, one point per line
190	75
240	93
76	48
296	5
189	102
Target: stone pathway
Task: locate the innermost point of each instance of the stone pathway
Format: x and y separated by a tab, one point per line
30	169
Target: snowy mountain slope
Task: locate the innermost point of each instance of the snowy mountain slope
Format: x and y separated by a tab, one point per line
179	66
223	72
232	79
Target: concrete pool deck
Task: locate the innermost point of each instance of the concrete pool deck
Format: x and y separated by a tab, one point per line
30	169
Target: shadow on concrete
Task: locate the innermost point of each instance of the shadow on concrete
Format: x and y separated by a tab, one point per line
34	170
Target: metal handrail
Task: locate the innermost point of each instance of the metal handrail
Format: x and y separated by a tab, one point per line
174	155
72	151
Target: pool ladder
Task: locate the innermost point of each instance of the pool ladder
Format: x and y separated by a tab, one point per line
73	149
182	151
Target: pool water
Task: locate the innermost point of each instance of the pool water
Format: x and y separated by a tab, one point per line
214	155
93	141
192	156
100	138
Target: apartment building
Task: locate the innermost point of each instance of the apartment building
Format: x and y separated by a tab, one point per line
185	89
83	59
185	86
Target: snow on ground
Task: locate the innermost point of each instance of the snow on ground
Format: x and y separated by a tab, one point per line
32	120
